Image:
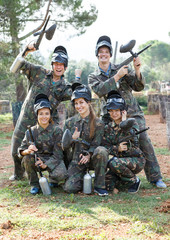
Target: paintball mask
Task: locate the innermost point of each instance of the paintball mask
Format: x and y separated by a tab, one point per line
115	101
41	101
80	91
60	55
103	41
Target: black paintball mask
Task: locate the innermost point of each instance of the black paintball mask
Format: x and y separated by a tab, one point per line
60	55
80	91
104	41
115	101
41	101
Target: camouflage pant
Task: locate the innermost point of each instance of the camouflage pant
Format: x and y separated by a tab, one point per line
17	137
76	172
152	169
123	170
59	173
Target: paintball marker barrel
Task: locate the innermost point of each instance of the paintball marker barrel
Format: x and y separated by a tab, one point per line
130	59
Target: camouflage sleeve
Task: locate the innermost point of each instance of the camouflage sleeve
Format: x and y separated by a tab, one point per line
97	139
32	71
108	141
57	156
24	144
135	83
101	88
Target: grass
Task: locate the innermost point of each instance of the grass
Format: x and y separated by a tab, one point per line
79	216
6	118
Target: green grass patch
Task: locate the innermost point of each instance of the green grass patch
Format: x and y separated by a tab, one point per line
85	216
6	118
162	151
5	139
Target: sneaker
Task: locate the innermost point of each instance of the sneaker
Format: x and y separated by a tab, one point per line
53	184
160	184
135	187
100	191
13	178
34	190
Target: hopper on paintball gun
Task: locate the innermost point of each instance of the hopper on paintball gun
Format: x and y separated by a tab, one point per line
128	48
126	126
48	34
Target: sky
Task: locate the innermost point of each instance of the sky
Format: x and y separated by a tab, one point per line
122	21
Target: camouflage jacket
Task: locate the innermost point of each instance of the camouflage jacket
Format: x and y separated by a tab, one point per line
113	134
41	82
102	84
48	143
83	126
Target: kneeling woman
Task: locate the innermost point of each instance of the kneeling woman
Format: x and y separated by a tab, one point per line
85	128
47	138
127	159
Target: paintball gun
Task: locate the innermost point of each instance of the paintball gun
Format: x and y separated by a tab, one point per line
42	180
127	125
128	48
20	58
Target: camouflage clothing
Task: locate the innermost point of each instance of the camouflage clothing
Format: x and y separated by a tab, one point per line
41	82
99	155
102	84
48	143
123	165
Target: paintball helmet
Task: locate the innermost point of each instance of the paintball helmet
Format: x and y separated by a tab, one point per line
41	101
60	55
115	101
104	41
80	91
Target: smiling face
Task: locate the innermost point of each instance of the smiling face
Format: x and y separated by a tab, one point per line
58	70
44	116
104	55
115	115
82	107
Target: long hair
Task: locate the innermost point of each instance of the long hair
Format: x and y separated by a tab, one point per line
92	120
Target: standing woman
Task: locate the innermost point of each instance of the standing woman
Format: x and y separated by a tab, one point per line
85	127
47	138
127	159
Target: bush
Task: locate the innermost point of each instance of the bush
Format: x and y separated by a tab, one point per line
142	100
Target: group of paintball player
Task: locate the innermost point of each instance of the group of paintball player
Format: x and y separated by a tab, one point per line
116	146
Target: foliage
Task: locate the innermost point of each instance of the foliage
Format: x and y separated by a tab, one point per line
85	66
156	60
142	100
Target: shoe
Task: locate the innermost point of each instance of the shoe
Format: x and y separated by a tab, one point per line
160	184
13	178
53	184
101	192
135	187
34	190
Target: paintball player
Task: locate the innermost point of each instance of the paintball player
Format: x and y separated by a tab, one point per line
86	126
107	78
47	145
126	157
50	83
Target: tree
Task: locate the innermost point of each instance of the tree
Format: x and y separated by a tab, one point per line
156	60
15	14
